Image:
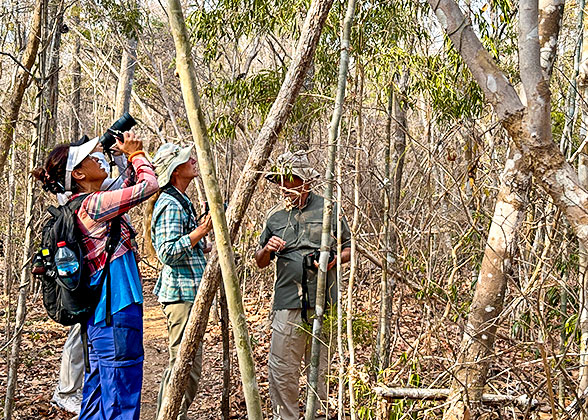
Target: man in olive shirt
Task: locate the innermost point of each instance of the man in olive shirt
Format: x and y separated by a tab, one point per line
292	231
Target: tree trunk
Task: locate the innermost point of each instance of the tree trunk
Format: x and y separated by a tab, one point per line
9	242
245	187
327	215
530	129
224	321
13	102
353	258
124	88
383	341
25	275
76	80
583	263
187	74
477	344
50	69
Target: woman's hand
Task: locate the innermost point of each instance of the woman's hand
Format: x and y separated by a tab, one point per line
131	143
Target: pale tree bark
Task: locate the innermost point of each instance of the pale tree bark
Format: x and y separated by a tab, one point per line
571	109
25	275
327	215
14	100
187	74
258	157
529	127
478	338
385	313
340	353
583	263
9	242
353	258
124	88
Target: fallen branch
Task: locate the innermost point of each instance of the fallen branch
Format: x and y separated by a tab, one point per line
522	401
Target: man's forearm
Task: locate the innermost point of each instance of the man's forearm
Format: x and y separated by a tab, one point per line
263	257
345	255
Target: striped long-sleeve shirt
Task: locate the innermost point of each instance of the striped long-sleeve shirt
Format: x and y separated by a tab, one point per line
100	207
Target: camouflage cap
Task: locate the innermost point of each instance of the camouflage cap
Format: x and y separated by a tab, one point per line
292	164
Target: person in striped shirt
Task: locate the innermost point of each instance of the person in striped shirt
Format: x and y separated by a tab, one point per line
112	388
178	240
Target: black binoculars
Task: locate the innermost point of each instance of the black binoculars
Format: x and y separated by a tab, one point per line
309	259
124	123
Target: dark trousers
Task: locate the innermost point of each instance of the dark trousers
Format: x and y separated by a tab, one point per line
112	389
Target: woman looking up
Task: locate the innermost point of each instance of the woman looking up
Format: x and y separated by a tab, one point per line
112	388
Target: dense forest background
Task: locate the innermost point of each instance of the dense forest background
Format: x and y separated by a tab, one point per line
423	165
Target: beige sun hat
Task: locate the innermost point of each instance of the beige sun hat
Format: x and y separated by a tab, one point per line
168	157
292	164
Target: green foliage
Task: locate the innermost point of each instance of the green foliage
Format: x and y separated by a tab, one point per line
222	21
453	92
127	17
558	122
494	24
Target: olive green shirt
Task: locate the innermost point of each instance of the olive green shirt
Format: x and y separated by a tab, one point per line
302	230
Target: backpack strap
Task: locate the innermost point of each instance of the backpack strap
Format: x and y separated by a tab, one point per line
188	206
111	244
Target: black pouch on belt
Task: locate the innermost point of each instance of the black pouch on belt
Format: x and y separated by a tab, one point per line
308	265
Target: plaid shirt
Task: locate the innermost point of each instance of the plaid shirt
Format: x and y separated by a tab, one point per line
100	207
183	264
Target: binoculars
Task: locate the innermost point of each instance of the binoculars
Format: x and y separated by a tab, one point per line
124	123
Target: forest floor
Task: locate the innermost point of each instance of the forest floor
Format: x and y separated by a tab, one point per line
43	339
422	354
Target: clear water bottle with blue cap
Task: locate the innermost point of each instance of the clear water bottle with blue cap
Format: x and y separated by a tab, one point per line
67	265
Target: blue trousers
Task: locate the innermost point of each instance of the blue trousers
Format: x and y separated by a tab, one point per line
112	389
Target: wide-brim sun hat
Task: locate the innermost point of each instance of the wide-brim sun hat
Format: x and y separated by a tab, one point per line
292	164
168	157
78	151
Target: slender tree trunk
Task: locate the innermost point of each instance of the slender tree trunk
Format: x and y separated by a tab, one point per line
125	79
25	276
76	80
245	188
340	353
327	215
566	137
52	36
186	71
14	101
9	243
583	263
224	321
353	257
383	341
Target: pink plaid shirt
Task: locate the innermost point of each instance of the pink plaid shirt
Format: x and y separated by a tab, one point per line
99	207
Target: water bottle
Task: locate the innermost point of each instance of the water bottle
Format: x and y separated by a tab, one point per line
67	265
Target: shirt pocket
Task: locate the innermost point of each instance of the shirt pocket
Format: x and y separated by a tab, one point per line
288	232
314	232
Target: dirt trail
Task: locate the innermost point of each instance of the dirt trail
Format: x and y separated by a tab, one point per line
43	341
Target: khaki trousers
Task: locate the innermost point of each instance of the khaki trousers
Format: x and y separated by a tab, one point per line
177	315
71	373
290	345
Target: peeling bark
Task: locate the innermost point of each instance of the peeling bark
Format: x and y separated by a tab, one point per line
530	129
476	348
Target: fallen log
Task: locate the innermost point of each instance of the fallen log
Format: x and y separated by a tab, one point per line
522	401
